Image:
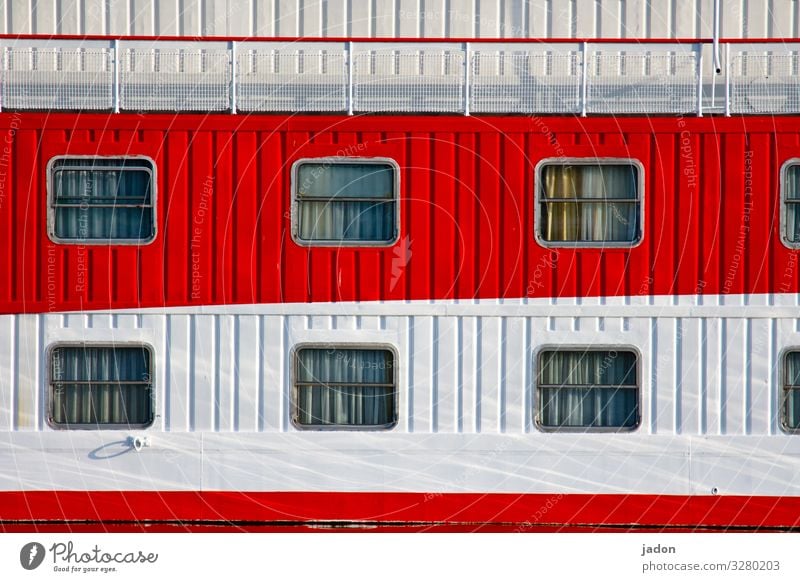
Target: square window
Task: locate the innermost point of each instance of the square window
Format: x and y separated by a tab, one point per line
345	388
101	200
101	387
587	389
791	391
589	203
345	202
790	186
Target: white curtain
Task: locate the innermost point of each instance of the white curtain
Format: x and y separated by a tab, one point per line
585	389
114	386
98	203
793	390
346	202
568	217
792	192
345	387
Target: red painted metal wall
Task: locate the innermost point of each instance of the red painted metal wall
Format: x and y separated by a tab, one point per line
712	210
284	511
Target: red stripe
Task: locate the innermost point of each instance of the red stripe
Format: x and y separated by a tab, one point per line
65	509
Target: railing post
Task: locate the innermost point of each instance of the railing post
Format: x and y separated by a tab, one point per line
727	80
233	76
350	66
715	41
584	76
699	49
115	89
466	78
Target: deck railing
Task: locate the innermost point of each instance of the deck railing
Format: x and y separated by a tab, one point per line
400	76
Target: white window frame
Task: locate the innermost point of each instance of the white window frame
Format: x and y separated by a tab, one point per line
783	396
295	407
784	222
539	191
51	210
537	367
115	426
295	204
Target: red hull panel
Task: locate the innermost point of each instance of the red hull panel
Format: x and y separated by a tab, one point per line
712	210
82	510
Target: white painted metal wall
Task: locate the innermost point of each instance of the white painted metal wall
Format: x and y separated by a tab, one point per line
710	400
408	18
710	372
463	368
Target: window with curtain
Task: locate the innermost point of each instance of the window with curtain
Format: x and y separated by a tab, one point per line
595	203
101	387
345	202
791	204
345	388
791	391
102	199
588	389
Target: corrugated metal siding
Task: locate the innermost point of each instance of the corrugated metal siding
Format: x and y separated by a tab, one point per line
701	375
466	220
408	18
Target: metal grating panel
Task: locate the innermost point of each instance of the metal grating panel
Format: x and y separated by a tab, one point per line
525	82
175	80
765	83
408	80
54	78
663	82
291	80
404	77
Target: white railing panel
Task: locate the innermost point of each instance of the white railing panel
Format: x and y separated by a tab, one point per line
408	80
765	81
525	80
68	74
57	78
174	79
291	78
651	81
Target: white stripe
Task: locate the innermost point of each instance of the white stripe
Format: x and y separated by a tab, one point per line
758	306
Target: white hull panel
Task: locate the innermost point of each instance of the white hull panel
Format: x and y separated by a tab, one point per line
359	462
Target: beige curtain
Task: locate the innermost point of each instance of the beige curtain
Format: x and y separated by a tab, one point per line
346	202
98	386
347	387
103	199
589	389
792	192
792	390
571	216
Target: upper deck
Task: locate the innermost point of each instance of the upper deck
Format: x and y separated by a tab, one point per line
403	76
